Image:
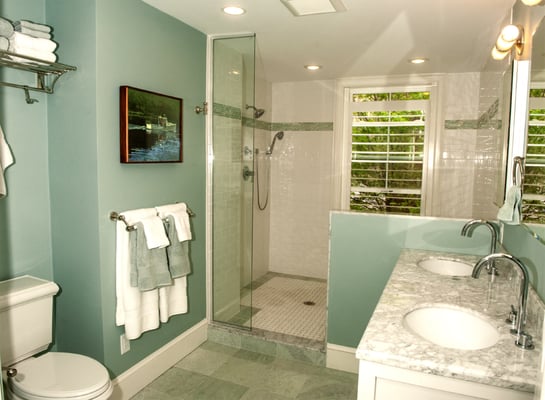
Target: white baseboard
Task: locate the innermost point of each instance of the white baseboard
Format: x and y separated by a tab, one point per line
342	358
144	372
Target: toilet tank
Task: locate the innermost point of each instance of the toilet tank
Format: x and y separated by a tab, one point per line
26	317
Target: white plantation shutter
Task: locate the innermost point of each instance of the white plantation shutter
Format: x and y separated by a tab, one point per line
388	131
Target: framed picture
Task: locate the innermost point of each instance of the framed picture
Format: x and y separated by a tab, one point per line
151	127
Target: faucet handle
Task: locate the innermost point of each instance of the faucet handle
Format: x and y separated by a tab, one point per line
512	317
525	341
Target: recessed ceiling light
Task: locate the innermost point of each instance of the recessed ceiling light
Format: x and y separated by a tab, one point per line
313	67
418	60
234	10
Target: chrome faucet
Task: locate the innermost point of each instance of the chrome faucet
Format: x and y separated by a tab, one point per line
524	340
467	230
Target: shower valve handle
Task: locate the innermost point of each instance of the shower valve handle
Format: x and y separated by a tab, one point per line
247	173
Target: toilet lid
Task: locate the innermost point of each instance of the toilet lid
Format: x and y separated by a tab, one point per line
60	376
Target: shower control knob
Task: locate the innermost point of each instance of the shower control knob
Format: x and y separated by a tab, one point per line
11	372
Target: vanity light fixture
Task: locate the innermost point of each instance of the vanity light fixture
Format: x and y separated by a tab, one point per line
233	10
313	67
510	36
532	2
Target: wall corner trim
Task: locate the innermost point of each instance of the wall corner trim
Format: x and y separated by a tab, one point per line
342	358
144	372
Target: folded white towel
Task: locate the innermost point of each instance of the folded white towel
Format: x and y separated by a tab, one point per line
6	159
33	32
39	55
181	219
173	299
6	28
22	41
138	311
156	236
33	25
4	43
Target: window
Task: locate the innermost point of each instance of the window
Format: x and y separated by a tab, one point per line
389	128
534	179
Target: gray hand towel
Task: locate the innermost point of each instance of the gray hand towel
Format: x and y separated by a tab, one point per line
178	252
6	28
149	268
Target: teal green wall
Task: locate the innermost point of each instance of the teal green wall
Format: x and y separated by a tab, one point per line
25	242
68	177
364	249
526	243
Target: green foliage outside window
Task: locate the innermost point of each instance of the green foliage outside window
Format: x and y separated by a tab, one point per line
387	155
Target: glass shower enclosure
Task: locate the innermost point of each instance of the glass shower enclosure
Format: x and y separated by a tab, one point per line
233	81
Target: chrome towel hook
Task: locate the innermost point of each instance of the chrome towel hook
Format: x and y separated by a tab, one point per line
518	171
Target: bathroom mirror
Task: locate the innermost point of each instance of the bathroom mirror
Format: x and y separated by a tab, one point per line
534	182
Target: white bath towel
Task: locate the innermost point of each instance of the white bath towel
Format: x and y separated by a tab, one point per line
21	40
173	299
32	25
4	43
40	55
33	32
6	28
181	219
6	159
138	311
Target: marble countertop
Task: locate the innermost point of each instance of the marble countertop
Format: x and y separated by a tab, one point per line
387	341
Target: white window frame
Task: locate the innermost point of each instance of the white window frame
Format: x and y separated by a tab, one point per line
342	148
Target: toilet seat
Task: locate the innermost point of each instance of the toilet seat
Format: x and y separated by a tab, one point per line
60	376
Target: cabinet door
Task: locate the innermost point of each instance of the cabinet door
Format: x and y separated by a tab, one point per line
387	390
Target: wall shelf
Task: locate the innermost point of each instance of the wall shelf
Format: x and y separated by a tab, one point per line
47	73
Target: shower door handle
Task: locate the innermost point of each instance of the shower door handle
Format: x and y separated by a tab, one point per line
247	173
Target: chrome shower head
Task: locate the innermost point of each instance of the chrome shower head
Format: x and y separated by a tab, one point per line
258	112
279	136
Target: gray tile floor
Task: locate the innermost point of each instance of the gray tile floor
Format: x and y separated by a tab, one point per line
218	372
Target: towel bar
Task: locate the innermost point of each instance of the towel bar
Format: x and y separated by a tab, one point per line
115	216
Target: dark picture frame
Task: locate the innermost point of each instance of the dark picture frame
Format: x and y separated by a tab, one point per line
150	127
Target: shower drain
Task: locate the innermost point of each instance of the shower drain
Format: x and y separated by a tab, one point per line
309	303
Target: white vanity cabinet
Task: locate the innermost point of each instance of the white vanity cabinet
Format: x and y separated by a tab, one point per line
382	382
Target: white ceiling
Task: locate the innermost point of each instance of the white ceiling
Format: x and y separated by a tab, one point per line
370	38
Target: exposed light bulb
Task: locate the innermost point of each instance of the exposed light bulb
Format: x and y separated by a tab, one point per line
531	2
313	67
499	55
508	36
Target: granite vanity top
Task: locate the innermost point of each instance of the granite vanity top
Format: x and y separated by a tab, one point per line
387	341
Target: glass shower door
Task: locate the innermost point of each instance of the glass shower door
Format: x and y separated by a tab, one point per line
232	179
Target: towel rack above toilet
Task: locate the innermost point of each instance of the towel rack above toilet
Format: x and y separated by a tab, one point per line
47	73
115	216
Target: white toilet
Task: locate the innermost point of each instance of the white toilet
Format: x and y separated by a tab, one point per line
26	317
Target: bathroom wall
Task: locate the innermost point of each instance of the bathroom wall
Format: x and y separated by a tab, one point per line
67	177
456	147
364	251
301	177
526	243
25	221
262	138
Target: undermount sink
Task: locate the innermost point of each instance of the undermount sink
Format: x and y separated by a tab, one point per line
455	328
446	266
